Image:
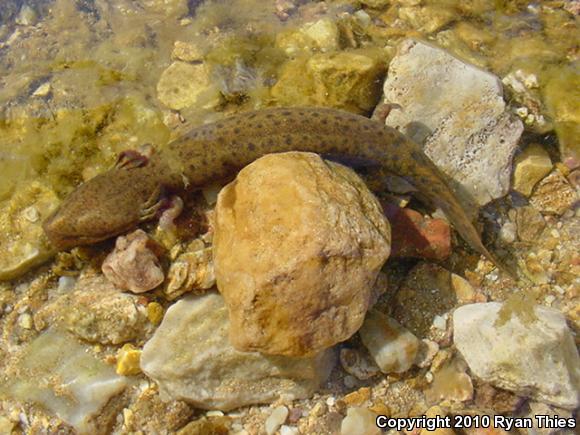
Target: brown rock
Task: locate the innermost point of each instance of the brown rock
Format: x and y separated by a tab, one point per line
134	265
298	245
530	223
554	194
417	237
530	166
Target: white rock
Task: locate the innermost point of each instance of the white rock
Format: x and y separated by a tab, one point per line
539	359
276	419
392	346
359	421
289	430
61	375
458	112
191	359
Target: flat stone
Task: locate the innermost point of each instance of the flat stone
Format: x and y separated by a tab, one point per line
530	166
97	312
536	359
191	359
63	376
181	84
457	112
298	246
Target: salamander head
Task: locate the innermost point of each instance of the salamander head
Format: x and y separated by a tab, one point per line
103	207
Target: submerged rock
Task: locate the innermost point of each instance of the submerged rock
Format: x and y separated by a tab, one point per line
562	95
21	231
457	111
530	166
392	347
191	359
182	84
61	375
537	358
321	35
343	80
133	265
298	245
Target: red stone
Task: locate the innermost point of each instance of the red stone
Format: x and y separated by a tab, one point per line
416	236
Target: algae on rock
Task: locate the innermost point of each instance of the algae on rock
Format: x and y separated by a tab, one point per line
344	80
21	233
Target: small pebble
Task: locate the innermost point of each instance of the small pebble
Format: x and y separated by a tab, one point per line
31	214
439	322
276	419
349	381
25	321
289	430
359	421
66	283
507	233
128	358
42	91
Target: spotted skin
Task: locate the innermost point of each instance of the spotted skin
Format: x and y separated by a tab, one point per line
118	200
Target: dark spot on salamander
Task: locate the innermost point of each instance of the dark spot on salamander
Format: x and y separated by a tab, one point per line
252	116
286	113
251	146
236	130
288	140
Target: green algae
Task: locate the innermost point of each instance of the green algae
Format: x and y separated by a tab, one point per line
562	95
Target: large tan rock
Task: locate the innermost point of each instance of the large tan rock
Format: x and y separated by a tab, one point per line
297	247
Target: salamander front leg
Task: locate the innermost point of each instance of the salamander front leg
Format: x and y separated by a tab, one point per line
156	203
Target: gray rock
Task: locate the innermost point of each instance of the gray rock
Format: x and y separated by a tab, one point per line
539	359
457	111
191	359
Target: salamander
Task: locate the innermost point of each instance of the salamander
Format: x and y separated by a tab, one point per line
121	198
